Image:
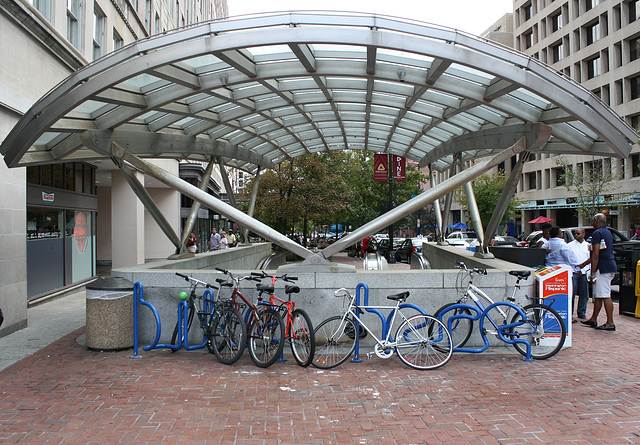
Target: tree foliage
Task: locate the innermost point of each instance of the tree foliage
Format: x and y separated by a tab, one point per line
310	191
487	190
591	184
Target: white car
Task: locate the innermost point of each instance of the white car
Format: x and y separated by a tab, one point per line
461	239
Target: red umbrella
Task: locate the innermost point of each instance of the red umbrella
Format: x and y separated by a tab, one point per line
540	219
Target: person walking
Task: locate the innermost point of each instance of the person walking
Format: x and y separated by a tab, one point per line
580	248
214	241
603	269
224	242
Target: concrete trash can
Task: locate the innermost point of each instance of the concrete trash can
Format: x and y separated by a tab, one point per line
109	314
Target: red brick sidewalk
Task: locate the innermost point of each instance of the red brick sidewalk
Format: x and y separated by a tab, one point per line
587	394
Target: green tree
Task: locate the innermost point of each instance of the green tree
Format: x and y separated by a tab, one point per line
487	189
591	184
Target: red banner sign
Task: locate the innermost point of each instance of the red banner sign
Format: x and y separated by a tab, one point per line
380	167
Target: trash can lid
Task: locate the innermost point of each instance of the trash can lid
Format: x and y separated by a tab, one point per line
110	283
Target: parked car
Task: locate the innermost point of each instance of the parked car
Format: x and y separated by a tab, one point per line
503	240
407	247
461	239
383	246
535	236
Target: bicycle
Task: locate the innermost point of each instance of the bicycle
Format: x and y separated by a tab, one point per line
223	329
536	330
421	341
264	326
298	327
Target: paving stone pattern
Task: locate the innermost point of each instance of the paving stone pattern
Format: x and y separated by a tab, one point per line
588	394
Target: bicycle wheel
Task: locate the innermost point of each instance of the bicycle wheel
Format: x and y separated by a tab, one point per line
544	329
228	335
460	327
302	338
174	336
334	345
423	342
266	337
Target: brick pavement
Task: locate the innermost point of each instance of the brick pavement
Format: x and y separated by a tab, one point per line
588	394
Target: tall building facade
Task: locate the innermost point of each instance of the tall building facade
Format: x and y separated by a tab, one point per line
55	221
596	43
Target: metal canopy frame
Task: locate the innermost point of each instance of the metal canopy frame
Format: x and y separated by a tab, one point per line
254	91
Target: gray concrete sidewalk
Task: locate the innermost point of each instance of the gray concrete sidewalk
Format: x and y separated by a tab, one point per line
47	323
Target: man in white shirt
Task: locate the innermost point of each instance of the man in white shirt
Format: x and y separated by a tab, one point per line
580	249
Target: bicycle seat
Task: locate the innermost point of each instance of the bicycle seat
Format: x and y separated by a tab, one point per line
401	296
520	273
265	288
289	289
223	282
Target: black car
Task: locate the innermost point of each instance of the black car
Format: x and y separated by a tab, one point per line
408	246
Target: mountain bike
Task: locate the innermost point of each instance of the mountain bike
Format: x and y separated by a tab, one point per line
223	329
421	341
265	327
299	330
536	330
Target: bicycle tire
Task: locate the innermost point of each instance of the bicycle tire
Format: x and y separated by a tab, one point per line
544	329
334	345
174	336
266	336
228	335
423	342
461	328
302	338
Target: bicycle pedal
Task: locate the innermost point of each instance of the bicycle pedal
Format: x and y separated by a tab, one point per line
369	355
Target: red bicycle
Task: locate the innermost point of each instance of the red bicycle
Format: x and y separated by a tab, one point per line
299	330
265	327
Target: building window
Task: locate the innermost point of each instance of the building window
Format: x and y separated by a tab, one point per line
528	11
147	15
593	68
635	170
99	20
74	22
635	122
593	33
635	87
634	49
590	4
528	40
43	6
156	27
559	176
557	52
532	181
118	42
556	22
634	10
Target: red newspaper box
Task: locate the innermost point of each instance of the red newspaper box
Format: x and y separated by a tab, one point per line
555	288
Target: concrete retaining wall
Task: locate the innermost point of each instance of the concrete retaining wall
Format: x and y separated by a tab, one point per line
429	289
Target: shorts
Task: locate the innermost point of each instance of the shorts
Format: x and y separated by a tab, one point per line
602	285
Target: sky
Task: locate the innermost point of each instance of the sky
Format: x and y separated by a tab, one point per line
473	16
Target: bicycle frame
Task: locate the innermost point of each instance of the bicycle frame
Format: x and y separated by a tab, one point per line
355	309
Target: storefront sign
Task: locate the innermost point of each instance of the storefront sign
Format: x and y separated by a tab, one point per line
48	197
81	232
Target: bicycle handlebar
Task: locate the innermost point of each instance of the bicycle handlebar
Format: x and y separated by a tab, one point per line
476	270
196	281
284	277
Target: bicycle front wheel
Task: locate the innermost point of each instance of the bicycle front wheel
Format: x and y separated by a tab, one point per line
460	327
544	329
266	337
335	342
302	338
228	335
423	342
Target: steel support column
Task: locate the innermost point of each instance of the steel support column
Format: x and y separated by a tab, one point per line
421	200
252	200
505	198
215	204
195	208
437	210
473	209
149	205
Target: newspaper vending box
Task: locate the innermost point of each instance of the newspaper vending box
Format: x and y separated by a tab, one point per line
555	288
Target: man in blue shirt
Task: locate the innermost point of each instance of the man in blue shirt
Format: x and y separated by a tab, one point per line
603	268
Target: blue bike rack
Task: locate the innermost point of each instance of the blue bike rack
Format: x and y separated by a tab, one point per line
386	322
481	317
183	323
